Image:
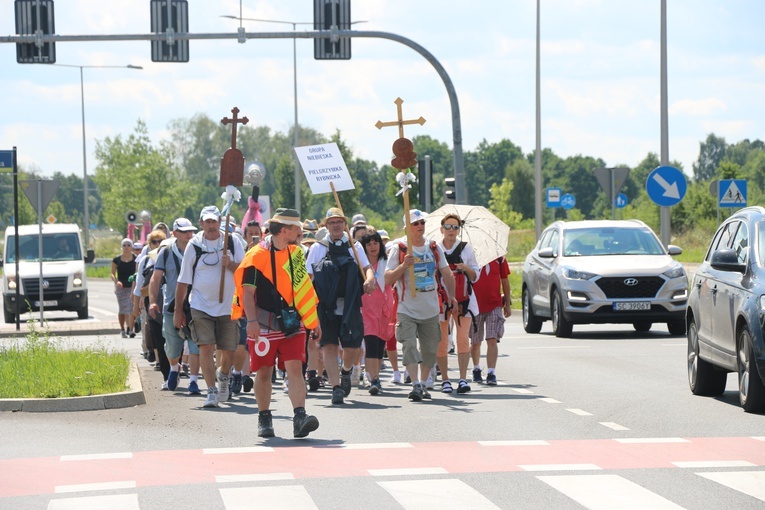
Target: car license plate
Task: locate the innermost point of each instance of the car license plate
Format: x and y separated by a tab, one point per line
630	306
47	303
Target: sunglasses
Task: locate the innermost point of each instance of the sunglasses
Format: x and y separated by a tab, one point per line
419	222
154	242
451	227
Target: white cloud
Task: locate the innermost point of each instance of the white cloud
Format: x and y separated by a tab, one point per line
697	107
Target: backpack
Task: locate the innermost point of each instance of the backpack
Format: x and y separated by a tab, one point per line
462	284
443	297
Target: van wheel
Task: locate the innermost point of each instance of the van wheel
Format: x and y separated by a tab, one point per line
531	323
9	317
82	313
703	378
751	392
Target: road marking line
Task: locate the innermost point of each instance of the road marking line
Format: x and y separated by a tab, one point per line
759	438
605	492
244	449
116	502
532	442
444	494
613	426
254	477
97	456
751	483
579	412
99	310
553	347
522	391
549	400
103	486
648	440
408	471
283	497
559	467
713	464
375	446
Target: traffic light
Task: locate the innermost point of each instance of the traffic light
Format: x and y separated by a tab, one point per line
450	194
169	16
35	17
424	174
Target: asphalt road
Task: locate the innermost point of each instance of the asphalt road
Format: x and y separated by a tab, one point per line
604	419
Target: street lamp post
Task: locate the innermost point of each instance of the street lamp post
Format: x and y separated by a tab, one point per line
86	209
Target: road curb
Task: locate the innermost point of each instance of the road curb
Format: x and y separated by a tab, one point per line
60	329
133	396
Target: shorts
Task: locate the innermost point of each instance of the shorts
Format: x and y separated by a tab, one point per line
428	331
494	324
219	331
375	346
330	334
390	345
287	349
173	341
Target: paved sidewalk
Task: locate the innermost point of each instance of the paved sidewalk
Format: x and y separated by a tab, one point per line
63	327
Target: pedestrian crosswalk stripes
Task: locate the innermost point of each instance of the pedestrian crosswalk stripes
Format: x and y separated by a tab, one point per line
601	491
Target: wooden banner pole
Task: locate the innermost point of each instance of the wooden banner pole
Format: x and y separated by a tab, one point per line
347	231
223	268
410	248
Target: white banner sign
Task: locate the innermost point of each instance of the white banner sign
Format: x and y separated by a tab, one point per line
323	164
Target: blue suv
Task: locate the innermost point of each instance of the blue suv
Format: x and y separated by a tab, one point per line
726	311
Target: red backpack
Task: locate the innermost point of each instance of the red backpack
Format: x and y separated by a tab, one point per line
442	295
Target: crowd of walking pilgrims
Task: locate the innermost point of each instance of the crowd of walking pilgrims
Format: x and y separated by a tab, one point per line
302	299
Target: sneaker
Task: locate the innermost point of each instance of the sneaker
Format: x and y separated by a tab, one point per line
491	379
345	383
396	379
407	377
131	334
236	384
429	383
477	375
313	383
265	425
247	384
463	386
172	380
375	387
416	394
337	395
151	358
355	377
194	388
303	424
286	386
212	398
222	384
446	387
426	394
164	386
123	334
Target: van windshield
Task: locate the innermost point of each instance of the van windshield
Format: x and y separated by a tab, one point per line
56	247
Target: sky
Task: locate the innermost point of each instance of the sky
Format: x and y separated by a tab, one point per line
600	69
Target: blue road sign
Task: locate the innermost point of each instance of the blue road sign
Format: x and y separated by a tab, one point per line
731	193
553	197
621	200
6	161
568	201
666	186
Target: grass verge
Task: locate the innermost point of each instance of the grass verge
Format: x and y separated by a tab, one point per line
40	367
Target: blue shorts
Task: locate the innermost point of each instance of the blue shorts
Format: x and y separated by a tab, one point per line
173	342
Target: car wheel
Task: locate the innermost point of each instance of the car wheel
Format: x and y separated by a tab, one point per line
676	328
561	327
9	317
751	392
82	313
702	376
531	323
642	326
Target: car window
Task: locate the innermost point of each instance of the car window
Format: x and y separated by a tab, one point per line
611	241
726	236
555	241
713	244
760	233
741	243
545	239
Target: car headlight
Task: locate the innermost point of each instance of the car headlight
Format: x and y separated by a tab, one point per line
675	272
11	283
574	274
77	280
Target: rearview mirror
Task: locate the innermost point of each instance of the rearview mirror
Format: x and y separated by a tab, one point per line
727	260
90	257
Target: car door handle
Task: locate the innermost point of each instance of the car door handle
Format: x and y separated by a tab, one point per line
714	289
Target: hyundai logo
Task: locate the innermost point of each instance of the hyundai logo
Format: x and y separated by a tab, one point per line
630	282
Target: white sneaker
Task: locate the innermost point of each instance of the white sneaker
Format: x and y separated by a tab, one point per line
355	375
286	387
222	385
164	386
212	398
396	379
429	383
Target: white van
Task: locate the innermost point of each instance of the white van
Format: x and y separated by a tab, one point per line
65	285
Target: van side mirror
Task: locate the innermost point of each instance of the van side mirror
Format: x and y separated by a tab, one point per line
1	262
90	257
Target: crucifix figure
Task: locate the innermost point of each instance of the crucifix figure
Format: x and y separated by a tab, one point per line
232	162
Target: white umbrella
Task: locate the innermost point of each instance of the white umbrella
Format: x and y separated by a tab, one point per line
486	233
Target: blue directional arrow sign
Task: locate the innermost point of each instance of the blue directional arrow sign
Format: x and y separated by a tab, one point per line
553	197
6	161
731	193
568	201
666	186
621	200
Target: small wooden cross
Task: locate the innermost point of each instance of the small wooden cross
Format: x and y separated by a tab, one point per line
400	122
232	162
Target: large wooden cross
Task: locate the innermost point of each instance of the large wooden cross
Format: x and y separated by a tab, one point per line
405	158
232	162
400	122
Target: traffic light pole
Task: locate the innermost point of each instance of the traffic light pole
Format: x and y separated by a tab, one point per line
459	162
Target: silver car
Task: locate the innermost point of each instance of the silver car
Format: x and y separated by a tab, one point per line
600	271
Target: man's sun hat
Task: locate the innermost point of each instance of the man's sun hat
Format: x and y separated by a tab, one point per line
210	212
358	219
415	215
183	225
287	217
335	212
311	225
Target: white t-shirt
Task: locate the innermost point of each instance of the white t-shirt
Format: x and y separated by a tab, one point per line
206	277
424	304
468	257
318	251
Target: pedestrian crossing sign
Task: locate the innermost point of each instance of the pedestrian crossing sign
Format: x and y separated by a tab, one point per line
731	193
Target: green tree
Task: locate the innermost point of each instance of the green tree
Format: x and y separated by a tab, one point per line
711	153
500	203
